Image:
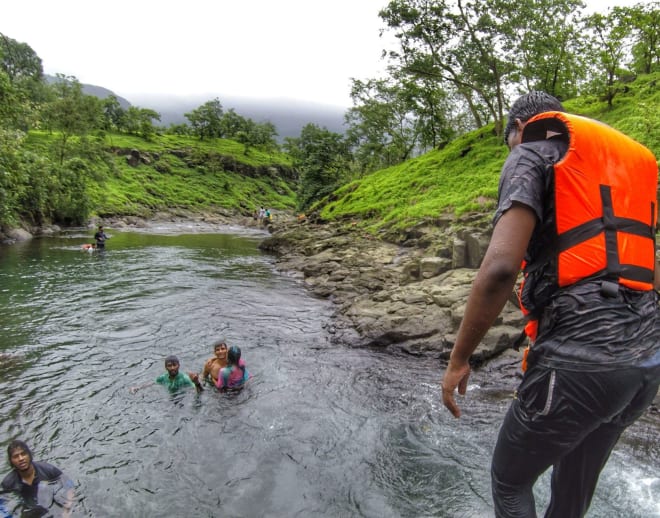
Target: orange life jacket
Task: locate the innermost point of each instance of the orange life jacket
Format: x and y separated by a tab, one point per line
605	206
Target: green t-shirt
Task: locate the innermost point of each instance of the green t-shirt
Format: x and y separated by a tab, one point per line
180	380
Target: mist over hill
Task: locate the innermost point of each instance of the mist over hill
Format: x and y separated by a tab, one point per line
96	91
288	115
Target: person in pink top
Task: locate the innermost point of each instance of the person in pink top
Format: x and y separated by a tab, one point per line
235	374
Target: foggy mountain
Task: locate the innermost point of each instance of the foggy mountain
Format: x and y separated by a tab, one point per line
96	91
288	115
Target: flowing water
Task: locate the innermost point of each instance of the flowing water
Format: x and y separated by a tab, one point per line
322	429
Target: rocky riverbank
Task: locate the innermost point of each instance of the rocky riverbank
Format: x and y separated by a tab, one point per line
403	293
408	295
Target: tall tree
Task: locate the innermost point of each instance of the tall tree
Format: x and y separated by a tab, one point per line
610	46
22	81
382	126
19	61
206	119
322	158
545	44
644	19
70	111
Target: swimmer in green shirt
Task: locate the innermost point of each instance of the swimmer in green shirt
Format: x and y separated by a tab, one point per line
173	379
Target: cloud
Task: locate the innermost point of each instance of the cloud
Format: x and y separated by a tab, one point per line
299	49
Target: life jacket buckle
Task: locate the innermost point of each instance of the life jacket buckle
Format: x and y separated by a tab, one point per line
609	289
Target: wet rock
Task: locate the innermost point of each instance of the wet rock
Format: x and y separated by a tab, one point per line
390	295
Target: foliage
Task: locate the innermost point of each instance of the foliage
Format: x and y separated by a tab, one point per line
323	158
457	66
463	177
394	120
205	120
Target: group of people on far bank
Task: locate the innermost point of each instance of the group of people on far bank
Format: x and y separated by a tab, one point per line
263	216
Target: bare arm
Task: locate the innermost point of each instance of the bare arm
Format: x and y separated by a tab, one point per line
490	291
133	390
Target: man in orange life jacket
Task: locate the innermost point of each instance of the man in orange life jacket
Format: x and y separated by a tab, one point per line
577	202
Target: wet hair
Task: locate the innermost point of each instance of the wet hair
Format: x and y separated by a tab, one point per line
234	357
17	445
528	105
219	343
172	359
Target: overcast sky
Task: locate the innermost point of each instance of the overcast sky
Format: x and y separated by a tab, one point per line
297	49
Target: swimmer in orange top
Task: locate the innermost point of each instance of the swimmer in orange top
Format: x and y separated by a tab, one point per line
213	365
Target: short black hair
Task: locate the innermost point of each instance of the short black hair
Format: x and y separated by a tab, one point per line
172	359
528	105
16	445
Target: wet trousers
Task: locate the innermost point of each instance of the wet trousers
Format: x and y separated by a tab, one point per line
569	420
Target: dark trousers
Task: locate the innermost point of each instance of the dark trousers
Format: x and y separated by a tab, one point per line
571	421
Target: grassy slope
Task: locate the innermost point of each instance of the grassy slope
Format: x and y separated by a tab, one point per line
462	178
186	173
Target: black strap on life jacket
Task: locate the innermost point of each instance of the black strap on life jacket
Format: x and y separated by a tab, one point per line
610	224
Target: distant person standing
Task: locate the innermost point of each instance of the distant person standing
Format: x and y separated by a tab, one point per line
100	237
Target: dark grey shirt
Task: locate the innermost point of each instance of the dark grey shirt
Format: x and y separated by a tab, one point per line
580	329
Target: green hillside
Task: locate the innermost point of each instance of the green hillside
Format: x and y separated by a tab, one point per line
172	173
463	177
180	172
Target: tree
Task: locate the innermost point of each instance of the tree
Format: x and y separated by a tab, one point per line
21	83
232	123
382	126
644	19
113	114
70	111
322	158
12	179
19	61
456	45
139	121
546	45
609	48
205	120
392	119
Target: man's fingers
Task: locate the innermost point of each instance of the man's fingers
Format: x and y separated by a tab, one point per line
462	386
449	402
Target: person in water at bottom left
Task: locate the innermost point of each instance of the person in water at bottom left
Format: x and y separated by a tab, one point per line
173	379
44	489
235	375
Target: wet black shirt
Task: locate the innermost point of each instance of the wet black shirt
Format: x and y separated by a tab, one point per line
44	472
580	328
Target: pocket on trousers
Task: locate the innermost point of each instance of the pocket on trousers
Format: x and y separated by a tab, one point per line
536	392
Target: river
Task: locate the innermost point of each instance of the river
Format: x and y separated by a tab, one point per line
322	429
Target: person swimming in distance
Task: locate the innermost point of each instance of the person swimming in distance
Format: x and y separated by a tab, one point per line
235	375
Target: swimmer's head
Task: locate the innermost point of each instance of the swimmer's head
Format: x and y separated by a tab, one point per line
17	445
172	359
234	355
